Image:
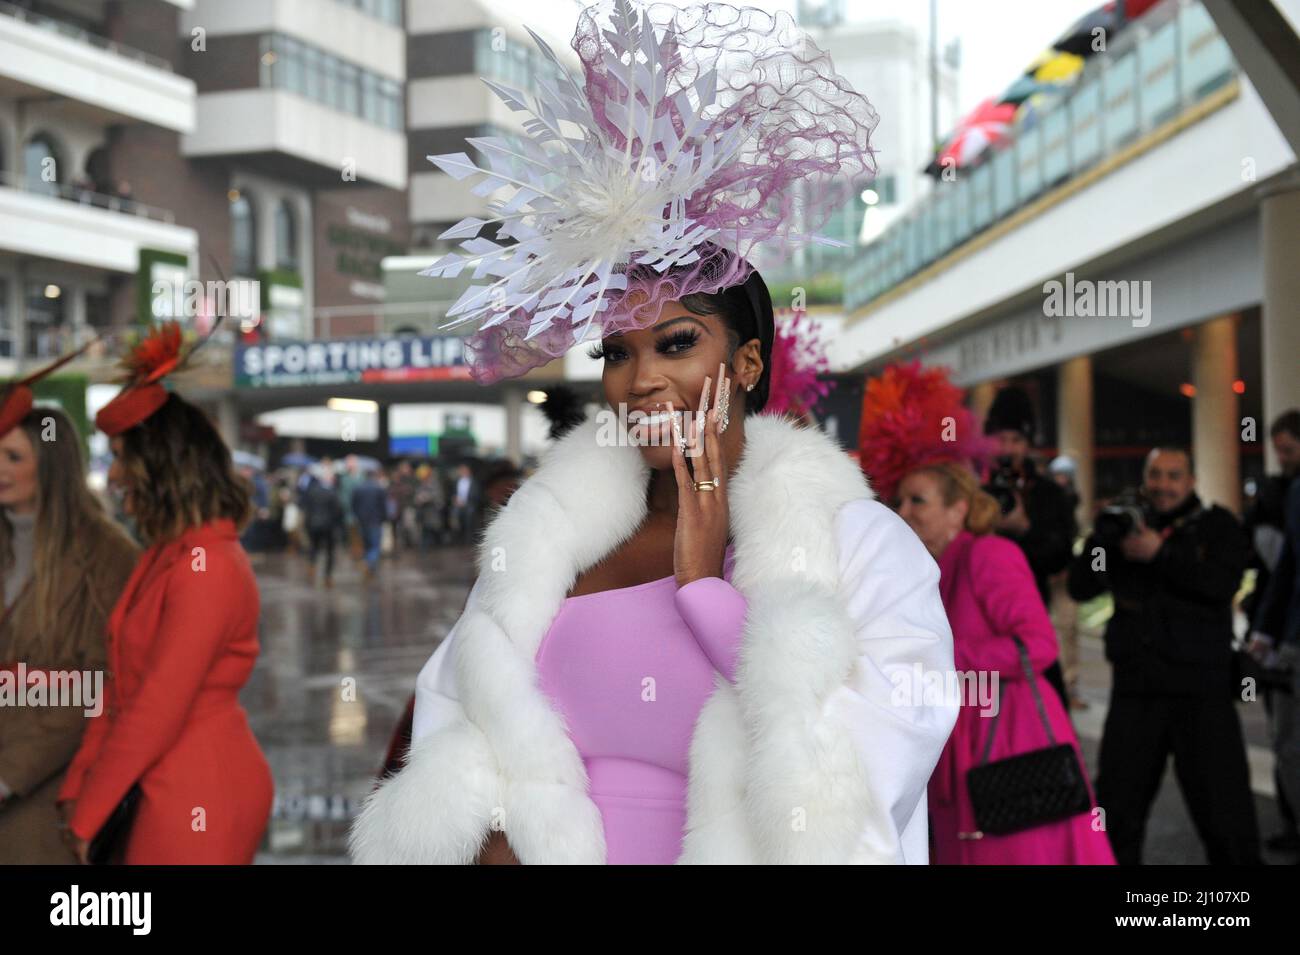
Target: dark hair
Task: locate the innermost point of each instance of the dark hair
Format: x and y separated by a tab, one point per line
180	472
1174	449
1288	421
746	310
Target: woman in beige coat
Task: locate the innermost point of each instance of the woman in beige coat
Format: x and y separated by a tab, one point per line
64	563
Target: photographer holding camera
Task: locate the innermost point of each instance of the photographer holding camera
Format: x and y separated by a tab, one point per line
1173	566
1036	513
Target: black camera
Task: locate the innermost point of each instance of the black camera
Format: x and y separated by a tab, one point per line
1004	484
1126	514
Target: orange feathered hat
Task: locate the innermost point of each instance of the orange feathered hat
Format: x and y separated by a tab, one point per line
146	364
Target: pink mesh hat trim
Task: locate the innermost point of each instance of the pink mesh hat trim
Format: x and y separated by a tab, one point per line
706	132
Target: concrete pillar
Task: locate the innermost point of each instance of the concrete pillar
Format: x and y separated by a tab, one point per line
512	400
981	398
382	441
20	313
1075	429
1280	314
75	316
228	421
1216	423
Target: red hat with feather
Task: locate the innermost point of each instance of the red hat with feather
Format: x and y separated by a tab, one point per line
146	364
17	399
913	417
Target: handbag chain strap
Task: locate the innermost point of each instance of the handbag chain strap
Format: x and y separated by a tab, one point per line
1038	700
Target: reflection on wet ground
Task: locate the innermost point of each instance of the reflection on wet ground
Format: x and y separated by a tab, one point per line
337	668
339	665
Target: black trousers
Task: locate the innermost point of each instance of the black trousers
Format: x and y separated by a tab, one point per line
323	540
1204	737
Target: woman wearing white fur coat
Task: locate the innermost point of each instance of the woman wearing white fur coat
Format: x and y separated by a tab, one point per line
695	656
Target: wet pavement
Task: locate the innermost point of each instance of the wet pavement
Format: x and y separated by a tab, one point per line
338	666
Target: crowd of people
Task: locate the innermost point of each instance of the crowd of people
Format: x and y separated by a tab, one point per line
81	594
370	509
1173	568
712	642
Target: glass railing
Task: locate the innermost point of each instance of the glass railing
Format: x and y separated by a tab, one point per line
82	36
386	11
394	318
1160	67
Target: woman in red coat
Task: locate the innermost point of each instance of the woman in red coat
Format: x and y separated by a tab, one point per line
182	641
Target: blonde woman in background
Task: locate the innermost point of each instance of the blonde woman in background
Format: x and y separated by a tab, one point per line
989	594
64	565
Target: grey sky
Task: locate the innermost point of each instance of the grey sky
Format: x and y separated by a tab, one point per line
998	38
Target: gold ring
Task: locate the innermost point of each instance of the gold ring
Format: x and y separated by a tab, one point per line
707	485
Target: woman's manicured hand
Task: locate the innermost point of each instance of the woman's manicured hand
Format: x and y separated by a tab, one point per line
700	542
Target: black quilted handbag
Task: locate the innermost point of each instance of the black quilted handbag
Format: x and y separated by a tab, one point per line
1031	789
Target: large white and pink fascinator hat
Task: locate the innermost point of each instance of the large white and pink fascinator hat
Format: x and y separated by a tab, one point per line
693	136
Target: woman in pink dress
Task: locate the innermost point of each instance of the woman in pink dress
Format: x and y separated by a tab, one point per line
654	668
990	597
682	642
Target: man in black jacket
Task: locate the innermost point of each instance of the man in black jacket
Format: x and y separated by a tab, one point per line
1041	522
1173	575
323	518
370	507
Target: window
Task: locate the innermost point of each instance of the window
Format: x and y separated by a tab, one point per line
330	80
291	64
370	109
243	236
333	80
99	309
42	164
97	171
387	11
313	87
392	93
351	90
46	328
286	236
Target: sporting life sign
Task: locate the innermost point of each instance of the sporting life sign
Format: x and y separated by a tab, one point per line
294	364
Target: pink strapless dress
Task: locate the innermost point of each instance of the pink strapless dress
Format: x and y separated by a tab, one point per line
630	670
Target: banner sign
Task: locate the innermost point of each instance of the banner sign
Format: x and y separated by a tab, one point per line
349	361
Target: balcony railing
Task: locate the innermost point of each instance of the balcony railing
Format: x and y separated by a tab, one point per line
82	36
86	197
1155	72
45	340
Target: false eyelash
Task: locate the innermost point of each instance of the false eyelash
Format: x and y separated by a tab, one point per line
685	338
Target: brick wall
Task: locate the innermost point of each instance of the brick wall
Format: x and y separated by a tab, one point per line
149	158
343	249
